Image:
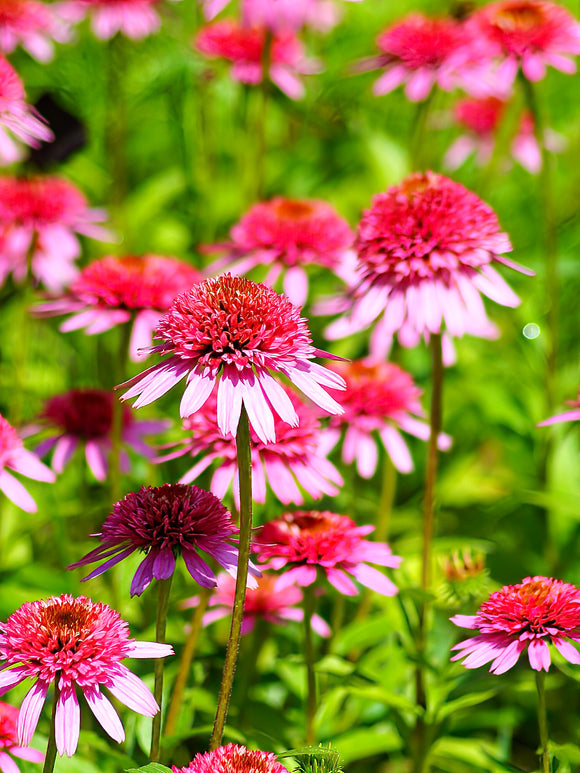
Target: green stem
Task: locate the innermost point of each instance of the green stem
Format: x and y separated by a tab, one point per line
259	171
550	243
116	138
543	721
388	490
185	663
309	606
117	418
162	606
50	756
245	478
418	137
421	741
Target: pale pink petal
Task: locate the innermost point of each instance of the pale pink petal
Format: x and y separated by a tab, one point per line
16	492
567	650
508	658
96	460
341	582
30	712
539	655
150	649
67	721
105	713
7	764
389	80
229	402
199	387
132	692
373	579
296	285
396	448
561	417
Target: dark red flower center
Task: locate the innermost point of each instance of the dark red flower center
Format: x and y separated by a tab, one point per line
84	413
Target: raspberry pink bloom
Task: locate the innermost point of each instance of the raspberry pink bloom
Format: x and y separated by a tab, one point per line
244	47
286	235
303	542
16	117
41	215
233	333
422	53
33	25
84	417
164	522
380	399
265	602
536	612
296	457
527	34
573	415
481	118
118	290
14	457
233	759
9	744
135	19
73	642
427	250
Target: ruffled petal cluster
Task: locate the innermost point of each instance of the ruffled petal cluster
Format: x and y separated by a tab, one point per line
531	615
427	251
244	47
73	643
233	333
304	541
286	235
233	758
164	522
14	457
9	744
85	417
115	290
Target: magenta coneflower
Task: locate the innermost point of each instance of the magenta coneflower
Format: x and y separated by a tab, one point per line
16	117
426	251
530	34
40	215
9	743
73	642
244	47
286	235
233	759
266	602
319	15
232	332
481	118
536	612
380	398
135	19
13	456
296	457
33	25
85	417
423	52
302	541
164	522
573	415
115	290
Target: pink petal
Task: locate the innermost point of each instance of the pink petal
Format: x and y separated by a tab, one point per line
508	658
229	402
7	764
373	579
65	448
539	655
67	721
16	492
199	387
296	285
464	621
96	460
105	713
150	649
30	712
341	582
567	651
132	692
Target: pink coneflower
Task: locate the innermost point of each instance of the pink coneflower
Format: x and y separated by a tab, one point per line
380	398
135	19
426	251
482	118
115	290
32	25
16	117
573	415
266	602
163	522
233	759
13	456
9	744
85	417
285	235
38	220
305	540
73	642
319	15
530	34
295	457
423	52
244	47
532	614
232	332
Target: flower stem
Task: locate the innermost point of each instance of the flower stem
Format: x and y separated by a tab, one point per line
50	756
543	721
117	418
418	136
421	740
245	478
309	606
185	664
162	606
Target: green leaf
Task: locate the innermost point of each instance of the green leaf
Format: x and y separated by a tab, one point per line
472	699
152	767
